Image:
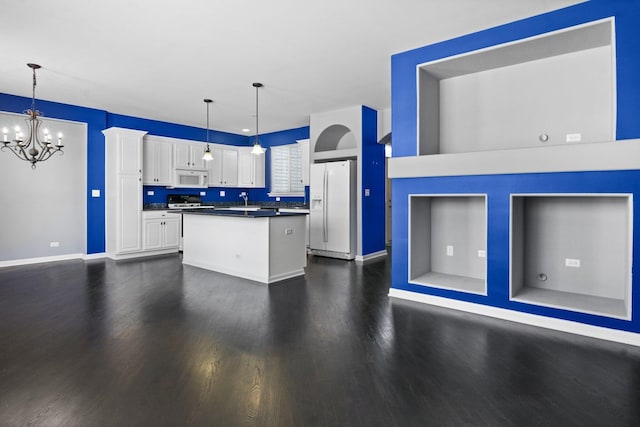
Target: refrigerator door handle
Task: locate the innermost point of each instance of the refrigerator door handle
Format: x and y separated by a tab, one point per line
325	184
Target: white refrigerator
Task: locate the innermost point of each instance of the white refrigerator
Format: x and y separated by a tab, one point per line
332	210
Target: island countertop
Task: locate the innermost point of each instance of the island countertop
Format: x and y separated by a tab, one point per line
261	213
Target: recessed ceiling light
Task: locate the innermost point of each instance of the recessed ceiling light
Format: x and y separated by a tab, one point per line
246	130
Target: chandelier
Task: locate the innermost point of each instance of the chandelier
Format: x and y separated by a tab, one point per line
32	149
257	148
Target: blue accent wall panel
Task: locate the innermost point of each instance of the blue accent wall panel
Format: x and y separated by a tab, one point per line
499	187
627	16
373	179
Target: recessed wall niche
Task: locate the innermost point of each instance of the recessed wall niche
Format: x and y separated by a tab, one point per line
552	89
573	252
447	243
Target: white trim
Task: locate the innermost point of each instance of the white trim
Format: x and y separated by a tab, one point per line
371	256
39	260
628	296
116	257
486	242
599	332
597	156
99	255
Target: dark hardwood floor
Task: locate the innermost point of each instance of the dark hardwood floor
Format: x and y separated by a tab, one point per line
154	343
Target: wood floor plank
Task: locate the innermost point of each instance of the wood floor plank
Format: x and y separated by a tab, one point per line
153	342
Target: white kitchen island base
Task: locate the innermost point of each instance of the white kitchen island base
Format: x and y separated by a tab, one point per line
264	248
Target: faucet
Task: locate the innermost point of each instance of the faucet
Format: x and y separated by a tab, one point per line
245	196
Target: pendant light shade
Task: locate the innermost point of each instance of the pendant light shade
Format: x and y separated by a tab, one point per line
207	153
257	148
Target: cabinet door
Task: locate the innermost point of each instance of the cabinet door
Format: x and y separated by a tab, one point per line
148	163
152	231
229	167
304	154
130	212
182	155
215	167
129	154
197	151
163	164
245	167
250	168
171	231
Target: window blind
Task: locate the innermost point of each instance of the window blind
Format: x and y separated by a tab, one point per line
286	170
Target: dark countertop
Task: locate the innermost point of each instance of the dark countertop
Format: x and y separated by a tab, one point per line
264	205
267	213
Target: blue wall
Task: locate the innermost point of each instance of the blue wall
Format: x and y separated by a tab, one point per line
373	178
499	187
98	120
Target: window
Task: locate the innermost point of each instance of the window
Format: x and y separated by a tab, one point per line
286	171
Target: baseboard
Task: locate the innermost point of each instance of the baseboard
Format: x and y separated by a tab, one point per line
371	257
131	255
99	255
39	260
607	334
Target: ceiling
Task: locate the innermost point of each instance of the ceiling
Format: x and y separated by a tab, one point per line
158	59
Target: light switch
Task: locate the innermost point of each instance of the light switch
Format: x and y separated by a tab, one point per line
482	253
95	193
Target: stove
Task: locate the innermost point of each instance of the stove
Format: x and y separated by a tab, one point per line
181	201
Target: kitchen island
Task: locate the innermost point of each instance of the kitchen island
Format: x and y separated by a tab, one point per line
261	245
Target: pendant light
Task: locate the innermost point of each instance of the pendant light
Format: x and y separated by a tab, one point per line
207	153
257	148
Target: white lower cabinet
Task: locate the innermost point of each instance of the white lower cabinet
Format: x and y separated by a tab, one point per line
160	230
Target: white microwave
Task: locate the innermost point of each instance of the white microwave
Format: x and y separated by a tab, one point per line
190	178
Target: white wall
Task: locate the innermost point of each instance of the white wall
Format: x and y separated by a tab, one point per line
47	204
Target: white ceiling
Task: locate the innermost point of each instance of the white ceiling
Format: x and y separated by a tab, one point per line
158	59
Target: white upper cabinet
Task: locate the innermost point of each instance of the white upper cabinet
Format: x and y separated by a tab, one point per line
157	155
304	154
251	168
188	155
223	169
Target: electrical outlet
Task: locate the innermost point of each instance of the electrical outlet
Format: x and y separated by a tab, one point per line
203	193
222	193
150	193
367	192
574	137
482	253
54	244
570	262
277	199
288	231
449	250
95	193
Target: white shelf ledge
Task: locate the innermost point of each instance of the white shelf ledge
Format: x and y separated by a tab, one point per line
600	156
451	281
601	306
